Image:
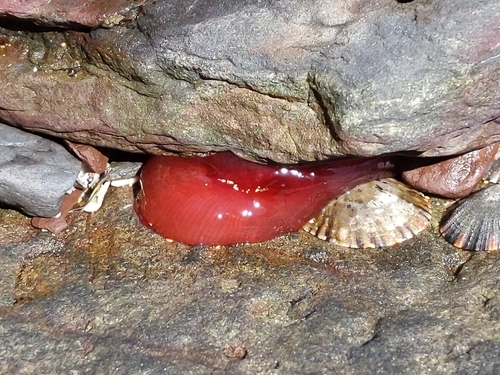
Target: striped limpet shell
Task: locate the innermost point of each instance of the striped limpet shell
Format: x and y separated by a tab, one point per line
473	223
375	214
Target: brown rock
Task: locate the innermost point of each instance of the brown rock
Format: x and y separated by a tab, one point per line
63	13
57	224
288	81
93	158
455	177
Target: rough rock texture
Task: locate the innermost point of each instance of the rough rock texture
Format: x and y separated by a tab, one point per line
67	14
109	293
289	80
35	173
124	170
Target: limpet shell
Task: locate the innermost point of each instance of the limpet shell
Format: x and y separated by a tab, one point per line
375	214
473	223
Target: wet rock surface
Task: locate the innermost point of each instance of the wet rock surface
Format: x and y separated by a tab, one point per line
64	14
108	292
454	177
35	173
286	81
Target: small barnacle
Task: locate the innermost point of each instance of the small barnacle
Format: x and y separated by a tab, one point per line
113	20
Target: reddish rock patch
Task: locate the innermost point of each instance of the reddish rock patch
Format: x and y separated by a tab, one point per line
455	177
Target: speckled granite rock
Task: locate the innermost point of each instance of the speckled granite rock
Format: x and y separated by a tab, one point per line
108	293
289	80
35	173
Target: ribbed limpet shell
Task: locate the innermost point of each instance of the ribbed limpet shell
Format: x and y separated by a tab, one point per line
473	223
375	214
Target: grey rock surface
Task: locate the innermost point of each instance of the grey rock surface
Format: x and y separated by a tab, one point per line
109	293
288	81
124	170
35	172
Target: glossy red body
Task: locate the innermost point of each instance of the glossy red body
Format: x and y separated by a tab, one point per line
222	199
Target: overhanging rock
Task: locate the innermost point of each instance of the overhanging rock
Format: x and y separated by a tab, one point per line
287	80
